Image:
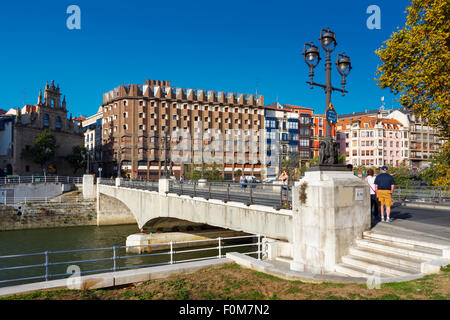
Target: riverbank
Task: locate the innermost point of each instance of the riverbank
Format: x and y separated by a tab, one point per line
232	282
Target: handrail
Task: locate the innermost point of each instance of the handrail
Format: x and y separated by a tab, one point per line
49	261
40	179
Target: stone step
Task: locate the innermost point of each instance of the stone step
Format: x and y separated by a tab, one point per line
407	241
373	266
387	257
354	271
425	254
284	259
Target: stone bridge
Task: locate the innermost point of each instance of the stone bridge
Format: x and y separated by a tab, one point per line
147	206
330	210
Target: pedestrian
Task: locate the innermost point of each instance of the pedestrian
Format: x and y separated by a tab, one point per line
384	187
284	177
350	167
243	181
370	179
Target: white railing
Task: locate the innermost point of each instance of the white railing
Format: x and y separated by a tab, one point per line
40	179
114	258
30	200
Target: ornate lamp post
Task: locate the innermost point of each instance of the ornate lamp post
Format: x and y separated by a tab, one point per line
166	139
328	148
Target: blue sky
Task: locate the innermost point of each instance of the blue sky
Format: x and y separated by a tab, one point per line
205	44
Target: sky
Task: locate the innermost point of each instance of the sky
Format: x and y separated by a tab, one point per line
238	46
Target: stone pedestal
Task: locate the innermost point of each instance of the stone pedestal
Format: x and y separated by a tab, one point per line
118	182
89	190
164	186
330	210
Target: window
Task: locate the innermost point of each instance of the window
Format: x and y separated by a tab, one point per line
46	121
58	123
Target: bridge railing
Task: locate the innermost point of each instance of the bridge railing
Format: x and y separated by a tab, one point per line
31	200
40	179
425	194
267	194
49	265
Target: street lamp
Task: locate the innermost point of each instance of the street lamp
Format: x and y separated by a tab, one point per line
166	138
328	149
119	152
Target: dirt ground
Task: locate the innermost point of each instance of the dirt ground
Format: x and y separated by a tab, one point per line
232	282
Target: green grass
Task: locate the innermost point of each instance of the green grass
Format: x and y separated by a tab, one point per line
332	284
267	276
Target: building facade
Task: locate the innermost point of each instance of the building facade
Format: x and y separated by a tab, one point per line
136	118
423	141
25	124
373	141
92	130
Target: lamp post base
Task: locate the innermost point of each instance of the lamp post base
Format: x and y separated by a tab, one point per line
328	167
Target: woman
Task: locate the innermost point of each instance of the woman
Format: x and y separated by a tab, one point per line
370	179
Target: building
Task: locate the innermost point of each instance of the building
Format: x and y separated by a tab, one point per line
373	141
304	131
135	119
424	141
287	131
22	126
92	130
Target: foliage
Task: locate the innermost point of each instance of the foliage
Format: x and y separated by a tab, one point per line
77	159
213	173
438	174
401	174
43	149
415	62
191	173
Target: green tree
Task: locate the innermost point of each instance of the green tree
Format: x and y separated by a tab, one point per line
43	149
77	159
415	64
401	174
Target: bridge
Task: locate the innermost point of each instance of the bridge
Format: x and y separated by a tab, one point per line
256	209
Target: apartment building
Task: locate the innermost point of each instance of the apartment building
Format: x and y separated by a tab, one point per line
137	117
424	141
92	130
318	132
373	141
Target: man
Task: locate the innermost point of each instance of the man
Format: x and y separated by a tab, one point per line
384	187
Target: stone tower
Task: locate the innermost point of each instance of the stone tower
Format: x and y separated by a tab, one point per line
52	96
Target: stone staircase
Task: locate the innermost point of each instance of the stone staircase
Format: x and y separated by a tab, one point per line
387	255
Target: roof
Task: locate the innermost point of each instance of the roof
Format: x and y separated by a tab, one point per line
371	121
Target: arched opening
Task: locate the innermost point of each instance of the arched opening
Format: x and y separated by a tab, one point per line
46	123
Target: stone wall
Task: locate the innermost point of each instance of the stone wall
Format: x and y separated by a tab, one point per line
47	215
112	211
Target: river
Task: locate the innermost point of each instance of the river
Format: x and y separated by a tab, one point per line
74	238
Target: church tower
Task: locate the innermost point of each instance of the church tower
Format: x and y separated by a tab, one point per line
52	96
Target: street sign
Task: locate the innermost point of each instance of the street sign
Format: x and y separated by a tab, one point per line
331	116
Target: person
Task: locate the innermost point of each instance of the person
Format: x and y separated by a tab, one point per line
284	177
370	179
384	187
350	167
243	181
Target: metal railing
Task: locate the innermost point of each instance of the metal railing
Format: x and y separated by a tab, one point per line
116	257
30	200
422	194
40	179
267	194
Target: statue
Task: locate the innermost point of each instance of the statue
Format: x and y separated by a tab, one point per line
328	152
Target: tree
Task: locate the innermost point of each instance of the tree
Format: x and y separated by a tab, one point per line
77	159
415	64
401	175
416	59
43	150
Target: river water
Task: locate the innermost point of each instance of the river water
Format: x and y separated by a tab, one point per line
31	241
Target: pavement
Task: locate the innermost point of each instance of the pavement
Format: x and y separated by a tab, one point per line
418	220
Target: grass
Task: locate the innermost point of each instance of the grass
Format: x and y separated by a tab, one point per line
232	282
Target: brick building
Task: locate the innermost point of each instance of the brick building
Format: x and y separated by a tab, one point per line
135	118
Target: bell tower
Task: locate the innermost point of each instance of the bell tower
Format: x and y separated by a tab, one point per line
52	96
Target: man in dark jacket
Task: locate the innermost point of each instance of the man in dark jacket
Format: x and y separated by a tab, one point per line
384	187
